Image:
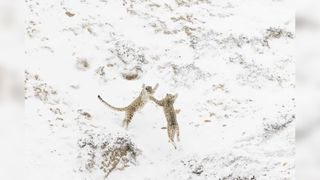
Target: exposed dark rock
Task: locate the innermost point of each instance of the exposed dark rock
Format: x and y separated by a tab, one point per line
106	152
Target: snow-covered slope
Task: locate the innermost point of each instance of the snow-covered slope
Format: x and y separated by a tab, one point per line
231	62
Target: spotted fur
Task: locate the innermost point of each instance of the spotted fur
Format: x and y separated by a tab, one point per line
135	105
170	114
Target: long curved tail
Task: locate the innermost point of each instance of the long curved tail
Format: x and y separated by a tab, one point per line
109	105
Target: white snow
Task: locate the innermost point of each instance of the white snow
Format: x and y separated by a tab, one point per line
221	70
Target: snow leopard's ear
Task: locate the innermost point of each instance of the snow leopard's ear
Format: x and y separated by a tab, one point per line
175	96
143	86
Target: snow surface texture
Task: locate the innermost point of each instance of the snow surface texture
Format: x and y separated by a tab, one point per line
231	62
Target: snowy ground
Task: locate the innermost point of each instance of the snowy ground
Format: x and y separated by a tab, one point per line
231	63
